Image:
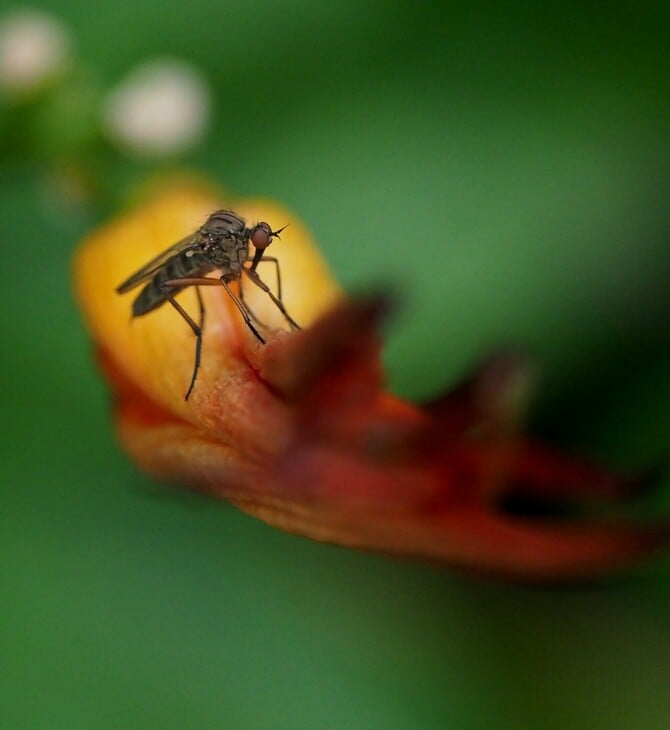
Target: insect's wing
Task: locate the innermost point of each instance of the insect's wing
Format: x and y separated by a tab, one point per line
151	267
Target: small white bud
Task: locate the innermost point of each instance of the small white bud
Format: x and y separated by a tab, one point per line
160	109
34	48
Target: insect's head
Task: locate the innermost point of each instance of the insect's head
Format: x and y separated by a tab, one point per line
261	234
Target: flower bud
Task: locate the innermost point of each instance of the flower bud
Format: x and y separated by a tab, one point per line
161	109
34	49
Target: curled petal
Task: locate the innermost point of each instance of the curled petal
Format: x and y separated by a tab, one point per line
300	433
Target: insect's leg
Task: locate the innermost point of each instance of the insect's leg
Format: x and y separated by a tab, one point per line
249	309
280	305
198	341
197	330
208	281
192	281
244	310
275	261
201	307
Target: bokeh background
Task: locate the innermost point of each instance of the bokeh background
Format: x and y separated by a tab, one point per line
508	170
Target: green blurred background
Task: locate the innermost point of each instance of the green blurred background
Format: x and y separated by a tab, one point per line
509	171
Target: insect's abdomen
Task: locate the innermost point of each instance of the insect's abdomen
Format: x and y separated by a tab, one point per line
178	267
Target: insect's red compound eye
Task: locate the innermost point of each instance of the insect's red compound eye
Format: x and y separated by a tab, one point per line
262	236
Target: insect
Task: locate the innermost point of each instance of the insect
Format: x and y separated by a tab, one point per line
221	243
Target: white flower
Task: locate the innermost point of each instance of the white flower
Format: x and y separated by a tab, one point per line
162	108
34	48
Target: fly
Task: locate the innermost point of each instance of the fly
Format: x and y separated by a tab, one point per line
221	243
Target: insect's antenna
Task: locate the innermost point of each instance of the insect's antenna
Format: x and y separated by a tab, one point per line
279	230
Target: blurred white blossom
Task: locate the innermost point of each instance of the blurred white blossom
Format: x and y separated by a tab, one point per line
35	47
161	108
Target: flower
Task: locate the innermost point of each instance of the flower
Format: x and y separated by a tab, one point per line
34	48
300	432
161	108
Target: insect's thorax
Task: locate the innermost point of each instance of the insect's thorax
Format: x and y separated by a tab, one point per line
228	251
